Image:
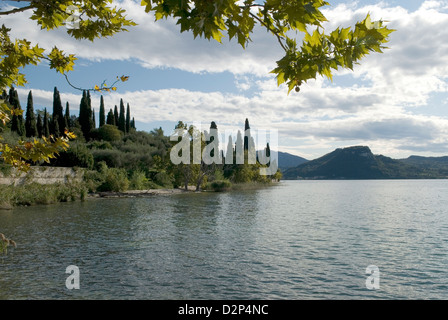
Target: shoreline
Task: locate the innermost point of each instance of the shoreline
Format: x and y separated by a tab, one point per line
139	193
30	200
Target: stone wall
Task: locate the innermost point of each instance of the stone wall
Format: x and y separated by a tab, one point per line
42	175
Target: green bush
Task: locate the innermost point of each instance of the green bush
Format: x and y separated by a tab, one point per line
113	158
78	155
163	179
109	132
138	181
34	193
114	179
102	145
218	185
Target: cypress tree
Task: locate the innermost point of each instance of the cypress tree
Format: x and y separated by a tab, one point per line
128	118
56	130
17	123
39	126
213	126
133	123
14	119
58	113
121	118
93	119
246	134
102	113
30	122
83	111
85	115
46	126
116	115
110	118
67	116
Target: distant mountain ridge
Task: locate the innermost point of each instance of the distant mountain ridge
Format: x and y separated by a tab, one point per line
358	162
287	160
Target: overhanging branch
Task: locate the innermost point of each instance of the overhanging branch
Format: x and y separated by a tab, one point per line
16	10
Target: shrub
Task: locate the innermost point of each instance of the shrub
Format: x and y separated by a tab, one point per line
109	132
34	193
78	155
163	179
219	185
138	181
114	180
99	145
113	158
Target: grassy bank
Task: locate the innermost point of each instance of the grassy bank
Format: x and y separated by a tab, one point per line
104	180
34	193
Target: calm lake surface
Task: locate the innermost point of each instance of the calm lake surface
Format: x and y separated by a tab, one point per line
295	240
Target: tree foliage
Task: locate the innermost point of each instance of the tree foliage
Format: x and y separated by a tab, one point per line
319	53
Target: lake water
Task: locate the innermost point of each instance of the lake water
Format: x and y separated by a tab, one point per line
295	240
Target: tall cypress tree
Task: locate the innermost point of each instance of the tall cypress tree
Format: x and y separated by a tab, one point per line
102	113
110	118
116	115
46	126
14	119
17	123
213	126
246	134
67	115
55	126
93	119
30	122
58	113
39	126
128	118
121	118
85	115
133	123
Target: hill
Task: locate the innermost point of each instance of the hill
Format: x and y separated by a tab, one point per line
287	160
439	164
359	162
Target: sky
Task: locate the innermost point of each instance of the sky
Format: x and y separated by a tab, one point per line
396	102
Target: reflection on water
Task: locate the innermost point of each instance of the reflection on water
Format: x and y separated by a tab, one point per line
297	240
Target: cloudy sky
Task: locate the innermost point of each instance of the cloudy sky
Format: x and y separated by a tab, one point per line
396	102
